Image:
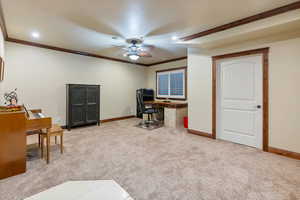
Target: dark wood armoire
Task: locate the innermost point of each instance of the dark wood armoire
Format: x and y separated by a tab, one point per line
83	105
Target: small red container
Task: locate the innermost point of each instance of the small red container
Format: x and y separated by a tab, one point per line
185	122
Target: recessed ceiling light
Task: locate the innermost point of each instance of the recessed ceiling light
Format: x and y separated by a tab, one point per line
35	34
174	38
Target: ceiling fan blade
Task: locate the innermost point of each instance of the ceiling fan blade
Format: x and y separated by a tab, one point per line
122	47
146	47
125	48
144	54
122	55
119	45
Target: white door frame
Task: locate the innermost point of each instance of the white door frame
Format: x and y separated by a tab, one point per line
264	52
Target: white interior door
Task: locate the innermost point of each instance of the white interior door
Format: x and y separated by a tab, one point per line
239	100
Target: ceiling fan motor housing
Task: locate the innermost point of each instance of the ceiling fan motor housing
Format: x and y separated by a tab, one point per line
135	50
134	41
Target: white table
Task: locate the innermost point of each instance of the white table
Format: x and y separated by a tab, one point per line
84	190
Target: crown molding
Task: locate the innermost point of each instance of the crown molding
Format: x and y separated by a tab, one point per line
2	23
35	44
166	61
247	20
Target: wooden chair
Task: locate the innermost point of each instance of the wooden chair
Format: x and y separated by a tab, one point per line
55	130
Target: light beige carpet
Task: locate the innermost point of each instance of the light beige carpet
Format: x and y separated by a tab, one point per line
161	164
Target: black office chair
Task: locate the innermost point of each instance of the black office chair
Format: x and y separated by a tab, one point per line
146	110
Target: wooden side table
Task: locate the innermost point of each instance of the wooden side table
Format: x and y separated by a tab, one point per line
55	130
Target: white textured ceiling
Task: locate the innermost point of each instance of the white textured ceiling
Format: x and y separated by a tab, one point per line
89	25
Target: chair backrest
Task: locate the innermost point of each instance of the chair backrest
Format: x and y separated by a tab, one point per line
140	101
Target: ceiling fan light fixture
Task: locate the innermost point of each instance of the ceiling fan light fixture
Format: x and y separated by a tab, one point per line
174	38
134	57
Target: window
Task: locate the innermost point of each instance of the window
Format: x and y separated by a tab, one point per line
171	83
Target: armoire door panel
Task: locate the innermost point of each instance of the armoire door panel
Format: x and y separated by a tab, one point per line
92	94
78	115
92	114
78	95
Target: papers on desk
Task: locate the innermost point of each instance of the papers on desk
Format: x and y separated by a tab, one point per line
38	115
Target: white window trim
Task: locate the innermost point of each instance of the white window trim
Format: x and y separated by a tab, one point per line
169	85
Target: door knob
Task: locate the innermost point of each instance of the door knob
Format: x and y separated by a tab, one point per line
258	106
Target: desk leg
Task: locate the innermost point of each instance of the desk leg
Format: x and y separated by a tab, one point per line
170	117
48	149
61	143
39	140
42	146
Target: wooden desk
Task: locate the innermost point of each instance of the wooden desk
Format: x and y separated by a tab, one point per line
167	104
173	112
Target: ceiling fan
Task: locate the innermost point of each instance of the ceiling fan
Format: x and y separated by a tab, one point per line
135	49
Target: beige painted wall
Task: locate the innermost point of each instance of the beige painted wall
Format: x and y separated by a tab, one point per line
199	91
284	83
3	57
1	44
151	71
40	76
